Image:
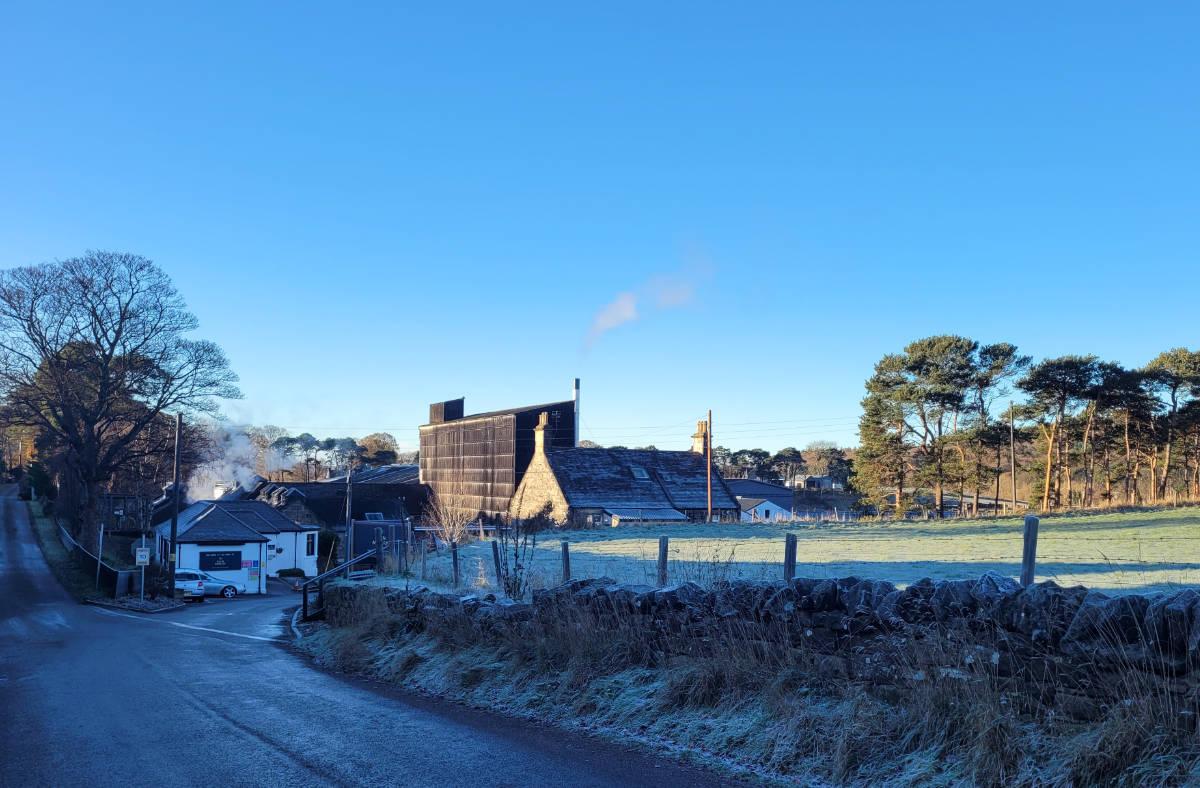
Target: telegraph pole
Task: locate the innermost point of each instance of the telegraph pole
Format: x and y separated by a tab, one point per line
349	515
173	550
1012	456
708	458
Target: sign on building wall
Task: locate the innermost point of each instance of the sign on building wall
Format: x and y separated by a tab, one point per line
219	561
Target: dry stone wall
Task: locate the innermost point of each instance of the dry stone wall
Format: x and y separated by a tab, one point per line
1072	646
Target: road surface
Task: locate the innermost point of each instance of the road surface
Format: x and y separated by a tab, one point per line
213	695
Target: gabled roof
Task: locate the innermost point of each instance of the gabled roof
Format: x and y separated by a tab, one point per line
612	478
230	522
206	523
328	501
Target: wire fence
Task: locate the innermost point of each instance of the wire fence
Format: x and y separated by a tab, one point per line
1148	559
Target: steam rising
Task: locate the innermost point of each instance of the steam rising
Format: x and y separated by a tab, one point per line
236	459
661	292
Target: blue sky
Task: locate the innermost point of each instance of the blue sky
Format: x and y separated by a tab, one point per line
687	206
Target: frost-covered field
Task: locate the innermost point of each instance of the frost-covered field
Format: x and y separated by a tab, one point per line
1130	551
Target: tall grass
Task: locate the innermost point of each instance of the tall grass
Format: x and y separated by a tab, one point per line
742	692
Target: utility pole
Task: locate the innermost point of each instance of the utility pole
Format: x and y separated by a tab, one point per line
1012	456
708	460
349	515
173	550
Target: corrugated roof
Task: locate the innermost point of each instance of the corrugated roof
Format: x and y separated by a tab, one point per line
385	474
781	496
506	412
656	515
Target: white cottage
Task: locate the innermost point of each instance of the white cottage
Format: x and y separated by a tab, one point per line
242	541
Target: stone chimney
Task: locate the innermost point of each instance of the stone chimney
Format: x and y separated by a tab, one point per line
700	439
540	432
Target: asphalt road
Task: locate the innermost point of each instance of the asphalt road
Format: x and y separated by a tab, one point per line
213	695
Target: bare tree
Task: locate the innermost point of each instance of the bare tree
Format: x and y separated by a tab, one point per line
451	513
93	352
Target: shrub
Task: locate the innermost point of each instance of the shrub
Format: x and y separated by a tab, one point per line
292	572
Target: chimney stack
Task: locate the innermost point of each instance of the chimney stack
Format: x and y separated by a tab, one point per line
539	433
575	399
700	439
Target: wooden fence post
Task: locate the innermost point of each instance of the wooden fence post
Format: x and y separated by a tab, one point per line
496	561
454	561
480	521
662	561
566	561
1029	554
378	551
408	541
424	552
789	557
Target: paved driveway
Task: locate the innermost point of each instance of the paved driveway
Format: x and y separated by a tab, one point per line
213	695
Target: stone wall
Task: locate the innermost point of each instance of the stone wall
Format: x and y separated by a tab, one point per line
1071	647
539	495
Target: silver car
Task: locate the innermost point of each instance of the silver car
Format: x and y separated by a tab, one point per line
189	584
214	586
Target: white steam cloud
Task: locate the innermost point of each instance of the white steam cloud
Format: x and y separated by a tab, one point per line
235	460
661	292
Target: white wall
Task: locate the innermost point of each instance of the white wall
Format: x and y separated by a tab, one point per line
252	553
766	512
294	553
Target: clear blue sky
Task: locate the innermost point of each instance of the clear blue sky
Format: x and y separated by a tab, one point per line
373	208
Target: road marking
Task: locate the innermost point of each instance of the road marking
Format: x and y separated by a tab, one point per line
189	626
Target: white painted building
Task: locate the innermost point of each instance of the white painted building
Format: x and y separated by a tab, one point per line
763	510
242	541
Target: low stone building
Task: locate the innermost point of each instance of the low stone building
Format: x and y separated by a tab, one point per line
589	487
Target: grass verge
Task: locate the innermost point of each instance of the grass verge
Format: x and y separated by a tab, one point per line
74	578
757	704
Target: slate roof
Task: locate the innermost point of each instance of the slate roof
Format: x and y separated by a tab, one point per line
224	522
783	497
205	522
605	479
328	501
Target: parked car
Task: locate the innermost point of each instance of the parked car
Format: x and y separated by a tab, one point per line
190	584
215	586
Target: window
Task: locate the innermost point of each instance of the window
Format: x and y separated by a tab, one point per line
310	546
374	516
639	472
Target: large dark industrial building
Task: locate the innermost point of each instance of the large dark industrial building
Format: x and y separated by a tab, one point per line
476	462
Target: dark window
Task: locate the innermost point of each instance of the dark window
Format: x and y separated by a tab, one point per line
310	547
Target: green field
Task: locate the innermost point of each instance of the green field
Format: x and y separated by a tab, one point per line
1121	552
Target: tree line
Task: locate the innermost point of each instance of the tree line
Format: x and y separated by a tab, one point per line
937	419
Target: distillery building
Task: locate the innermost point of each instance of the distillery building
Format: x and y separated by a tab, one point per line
477	461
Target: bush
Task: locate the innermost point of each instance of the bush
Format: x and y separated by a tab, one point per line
292	572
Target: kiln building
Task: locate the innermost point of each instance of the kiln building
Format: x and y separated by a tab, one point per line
476	461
